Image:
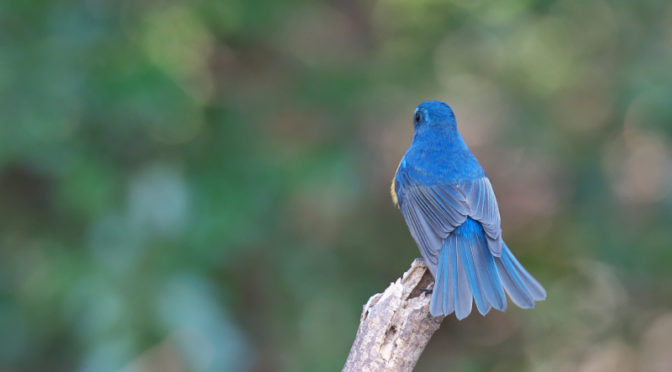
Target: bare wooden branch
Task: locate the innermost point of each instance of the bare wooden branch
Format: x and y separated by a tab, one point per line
395	325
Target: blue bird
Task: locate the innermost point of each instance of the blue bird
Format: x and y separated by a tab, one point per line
451	211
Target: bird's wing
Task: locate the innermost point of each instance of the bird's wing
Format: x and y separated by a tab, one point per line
483	208
433	212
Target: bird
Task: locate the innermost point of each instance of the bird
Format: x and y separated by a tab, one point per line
451	211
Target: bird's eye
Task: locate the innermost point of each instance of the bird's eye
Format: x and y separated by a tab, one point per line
418	117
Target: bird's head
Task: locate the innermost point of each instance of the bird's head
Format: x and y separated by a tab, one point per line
433	115
435	122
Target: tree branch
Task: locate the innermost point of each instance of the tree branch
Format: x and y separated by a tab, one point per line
395	325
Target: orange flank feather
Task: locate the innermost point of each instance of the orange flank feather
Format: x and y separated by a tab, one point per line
393	192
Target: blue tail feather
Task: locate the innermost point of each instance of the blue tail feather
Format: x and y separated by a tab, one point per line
463	295
443	293
467	272
513	284
466	248
487	274
535	291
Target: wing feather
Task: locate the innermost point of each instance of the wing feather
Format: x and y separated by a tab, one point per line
424	235
432	212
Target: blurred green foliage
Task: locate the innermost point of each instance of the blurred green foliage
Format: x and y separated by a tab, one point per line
203	186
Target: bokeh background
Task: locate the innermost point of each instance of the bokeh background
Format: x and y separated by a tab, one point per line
203	185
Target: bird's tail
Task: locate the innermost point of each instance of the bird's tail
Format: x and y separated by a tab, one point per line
467	270
523	289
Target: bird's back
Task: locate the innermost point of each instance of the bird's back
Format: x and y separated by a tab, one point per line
430	162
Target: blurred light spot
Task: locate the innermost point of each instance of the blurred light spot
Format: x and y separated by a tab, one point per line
14	333
537	51
656	346
203	331
612	356
164	357
497	328
294	129
667	21
387	129
324	322
95	308
322	201
498	13
600	300
181	123
581	308
586	106
33	255
49	121
229	15
391	17
319	36
547	54
46	105
177	42
158	200
480	109
528	184
88	186
651	109
597	22
115	243
106	355
640	163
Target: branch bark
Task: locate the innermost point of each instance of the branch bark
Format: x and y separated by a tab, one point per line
395	325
